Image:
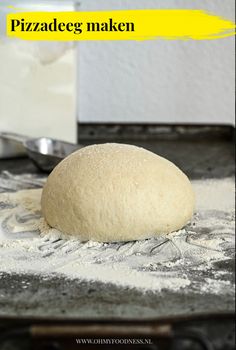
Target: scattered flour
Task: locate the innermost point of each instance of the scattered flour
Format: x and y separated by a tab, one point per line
215	194
183	260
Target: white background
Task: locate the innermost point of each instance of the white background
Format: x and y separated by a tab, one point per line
157	81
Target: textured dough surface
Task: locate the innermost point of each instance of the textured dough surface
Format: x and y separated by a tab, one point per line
116	192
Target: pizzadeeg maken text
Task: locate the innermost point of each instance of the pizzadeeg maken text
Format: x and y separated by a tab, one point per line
76	27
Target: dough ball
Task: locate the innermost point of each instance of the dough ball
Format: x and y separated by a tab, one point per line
116	192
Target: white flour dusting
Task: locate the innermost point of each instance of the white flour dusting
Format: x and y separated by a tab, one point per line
182	260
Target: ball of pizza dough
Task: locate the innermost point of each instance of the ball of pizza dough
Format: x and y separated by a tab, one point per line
116	192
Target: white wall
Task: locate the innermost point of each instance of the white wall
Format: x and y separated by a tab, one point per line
158	81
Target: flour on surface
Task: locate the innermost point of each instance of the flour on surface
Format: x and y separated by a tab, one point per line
181	261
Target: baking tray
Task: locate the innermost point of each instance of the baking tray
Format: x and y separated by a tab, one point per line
206	155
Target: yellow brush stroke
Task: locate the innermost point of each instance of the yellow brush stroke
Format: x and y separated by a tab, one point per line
174	24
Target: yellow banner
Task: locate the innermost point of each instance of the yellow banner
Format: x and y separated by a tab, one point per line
170	24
